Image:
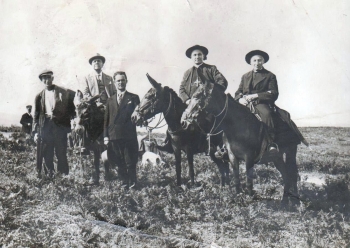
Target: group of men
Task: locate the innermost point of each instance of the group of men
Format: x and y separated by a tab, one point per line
54	108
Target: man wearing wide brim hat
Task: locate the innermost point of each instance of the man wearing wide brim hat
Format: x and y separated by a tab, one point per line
199	73
54	108
97	82
259	88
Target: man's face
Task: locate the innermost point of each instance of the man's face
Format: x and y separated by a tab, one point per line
47	80
29	110
97	64
257	62
120	82
197	56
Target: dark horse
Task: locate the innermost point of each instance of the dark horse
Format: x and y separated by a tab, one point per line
245	136
89	127
163	99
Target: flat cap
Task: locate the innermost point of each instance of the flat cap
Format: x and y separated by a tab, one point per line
45	72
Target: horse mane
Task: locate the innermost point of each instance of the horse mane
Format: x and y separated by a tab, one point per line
178	101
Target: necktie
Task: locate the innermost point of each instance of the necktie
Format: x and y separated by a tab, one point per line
120	98
99	79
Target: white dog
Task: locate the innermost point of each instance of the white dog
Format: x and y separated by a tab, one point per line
150	158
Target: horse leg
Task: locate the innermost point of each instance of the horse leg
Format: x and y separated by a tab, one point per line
292	173
97	156
190	164
219	163
177	153
236	181
249	163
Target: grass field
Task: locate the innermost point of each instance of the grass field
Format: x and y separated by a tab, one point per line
64	212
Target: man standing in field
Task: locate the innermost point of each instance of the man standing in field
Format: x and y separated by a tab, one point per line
54	109
26	121
119	131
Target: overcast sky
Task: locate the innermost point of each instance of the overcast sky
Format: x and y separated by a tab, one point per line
308	42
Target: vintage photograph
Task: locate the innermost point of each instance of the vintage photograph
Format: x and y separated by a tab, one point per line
175	123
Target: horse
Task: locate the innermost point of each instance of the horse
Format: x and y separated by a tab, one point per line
89	128
245	137
164	100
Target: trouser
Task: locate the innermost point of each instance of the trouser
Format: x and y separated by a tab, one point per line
124	154
54	139
266	116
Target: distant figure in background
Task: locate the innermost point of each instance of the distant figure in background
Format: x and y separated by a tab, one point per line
26	121
120	133
54	109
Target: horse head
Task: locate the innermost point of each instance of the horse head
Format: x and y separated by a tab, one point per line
151	104
199	105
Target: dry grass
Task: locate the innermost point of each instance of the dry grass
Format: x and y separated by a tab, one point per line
66	213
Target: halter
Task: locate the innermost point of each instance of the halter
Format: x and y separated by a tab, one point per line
161	119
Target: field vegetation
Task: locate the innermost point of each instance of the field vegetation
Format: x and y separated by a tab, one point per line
66	212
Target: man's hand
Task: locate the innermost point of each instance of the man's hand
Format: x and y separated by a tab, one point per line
251	97
243	101
29	124
188	101
106	141
36	138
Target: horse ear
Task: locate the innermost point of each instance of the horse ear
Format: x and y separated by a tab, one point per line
154	83
77	98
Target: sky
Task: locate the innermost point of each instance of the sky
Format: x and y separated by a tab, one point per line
308	42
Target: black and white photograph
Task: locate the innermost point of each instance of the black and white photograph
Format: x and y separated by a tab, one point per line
175	123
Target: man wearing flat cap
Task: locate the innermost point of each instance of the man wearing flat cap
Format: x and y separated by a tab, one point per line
26	121
199	73
54	109
259	87
97	82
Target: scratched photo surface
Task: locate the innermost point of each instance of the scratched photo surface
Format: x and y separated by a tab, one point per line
308	43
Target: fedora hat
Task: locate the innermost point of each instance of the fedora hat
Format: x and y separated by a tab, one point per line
256	52
97	56
45	72
196	47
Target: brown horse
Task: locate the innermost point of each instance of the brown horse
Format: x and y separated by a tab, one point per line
245	137
164	100
89	128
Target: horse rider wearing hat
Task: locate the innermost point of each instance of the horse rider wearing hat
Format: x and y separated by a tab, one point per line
26	121
199	73
54	109
258	89
97	82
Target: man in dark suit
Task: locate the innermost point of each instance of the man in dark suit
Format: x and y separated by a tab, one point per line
54	109
119	132
98	82
259	86
26	121
199	73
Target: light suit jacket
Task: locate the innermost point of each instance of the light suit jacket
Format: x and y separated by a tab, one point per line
91	88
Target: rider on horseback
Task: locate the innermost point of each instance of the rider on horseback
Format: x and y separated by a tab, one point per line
258	90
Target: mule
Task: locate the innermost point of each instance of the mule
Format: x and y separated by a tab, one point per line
245	137
89	129
164	100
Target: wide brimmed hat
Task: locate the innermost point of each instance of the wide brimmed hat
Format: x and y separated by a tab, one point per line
197	47
97	56
45	72
256	52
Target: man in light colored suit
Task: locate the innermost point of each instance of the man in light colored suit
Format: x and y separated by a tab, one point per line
97	82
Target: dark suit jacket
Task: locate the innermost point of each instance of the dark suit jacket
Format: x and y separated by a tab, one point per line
92	89
25	120
263	82
117	121
209	73
63	111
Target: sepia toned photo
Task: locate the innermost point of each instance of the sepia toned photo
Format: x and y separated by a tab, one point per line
174	123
